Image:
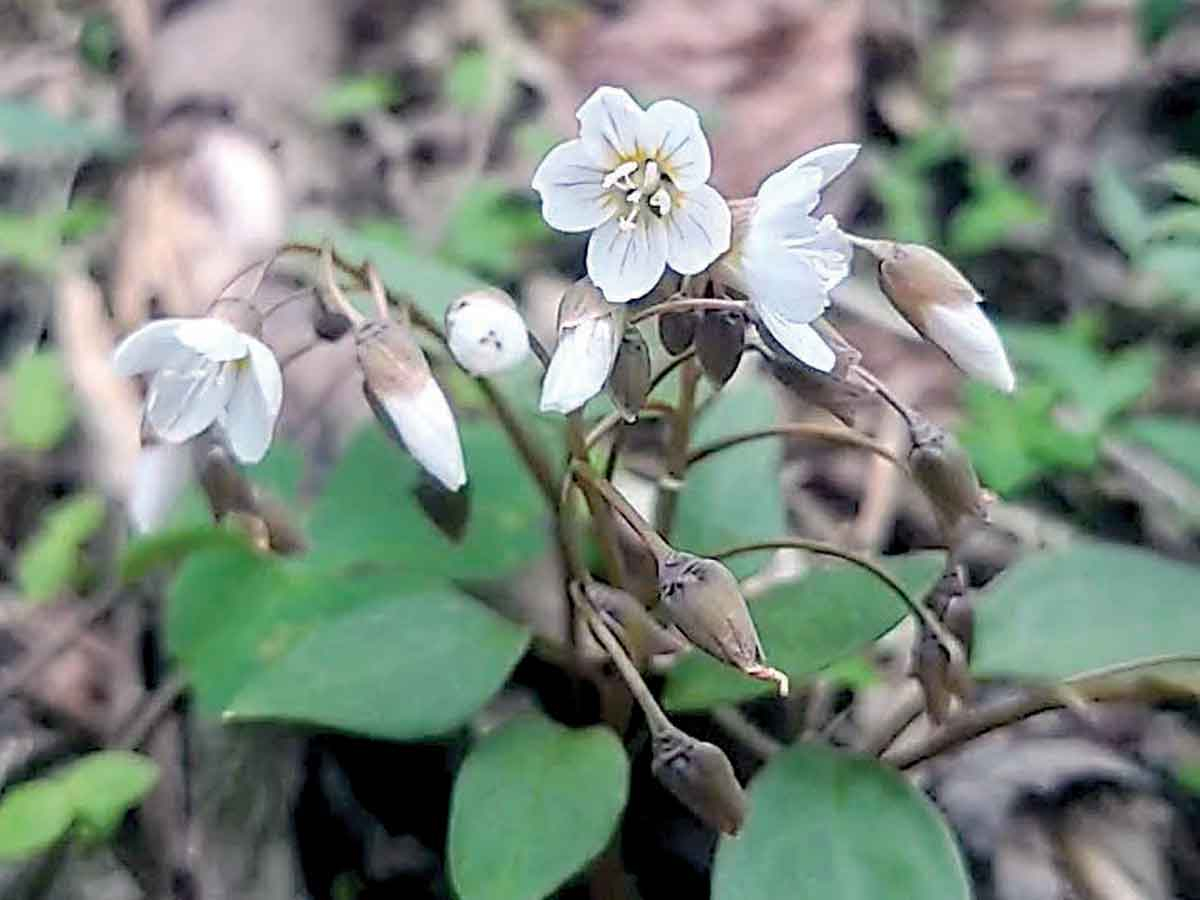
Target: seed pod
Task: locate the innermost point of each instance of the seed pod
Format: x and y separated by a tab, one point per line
485	332
720	340
448	510
944	472
703	600
930	666
408	402
677	330
629	380
701	777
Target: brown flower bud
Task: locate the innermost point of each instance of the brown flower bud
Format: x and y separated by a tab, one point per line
254	528
677	330
230	494
930	666
641	635
701	777
703	600
840	397
943	470
720	340
448	510
629	380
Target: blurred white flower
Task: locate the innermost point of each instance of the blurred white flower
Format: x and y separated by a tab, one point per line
589	336
486	333
204	371
639	178
789	261
161	474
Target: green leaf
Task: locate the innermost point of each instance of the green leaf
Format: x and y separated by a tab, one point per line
997	208
33	817
1176	440
1178	220
907	203
410	664
468	79
733	497
144	554
826	824
369	512
1054	615
28	129
806	625
1156	18
40	408
351	98
50	561
280	471
533	804
1119	209
1172	269
1183	176
104	786
490	230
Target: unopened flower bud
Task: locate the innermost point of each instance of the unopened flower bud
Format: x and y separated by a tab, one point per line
701	777
841	397
941	304
589	335
448	510
486	333
930	666
253	527
677	330
720	340
629	380
641	635
161	474
407	400
951	603
943	470
230	493
703	600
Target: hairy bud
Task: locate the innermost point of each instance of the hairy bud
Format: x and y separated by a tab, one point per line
677	330
486	333
701	777
943	470
629	380
703	600
720	340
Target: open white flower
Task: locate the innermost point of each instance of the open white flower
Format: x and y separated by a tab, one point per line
206	371
486	333
790	261
639	178
589	336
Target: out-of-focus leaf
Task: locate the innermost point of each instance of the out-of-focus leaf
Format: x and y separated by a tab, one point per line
1178	220
827	824
144	554
30	240
99	43
533	803
40	408
352	98
1156	18
805	625
50	561
280	472
489	230
105	785
997	208
368	514
33	817
468	79
907	204
1183	176
407	663
1175	440
1172	268
733	497
1188	775
1119	209
1054	615
28	129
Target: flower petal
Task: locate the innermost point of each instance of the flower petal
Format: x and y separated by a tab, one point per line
160	475
823	246
671	134
799	339
181	404
698	230
627	263
267	373
571	186
832	160
425	423
246	420
581	363
792	192
779	278
971	341
609	124
151	347
212	338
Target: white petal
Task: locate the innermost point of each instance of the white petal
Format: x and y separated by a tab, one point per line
426	424
698	230
791	193
800	340
486	336
267	373
247	422
627	263
671	134
580	365
570	184
212	338
160	476
832	160
181	404
779	278
151	347
823	246
609	124
971	342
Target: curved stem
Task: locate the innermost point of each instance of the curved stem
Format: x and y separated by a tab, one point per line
654	542
902	409
688	305
652	410
689	353
821	432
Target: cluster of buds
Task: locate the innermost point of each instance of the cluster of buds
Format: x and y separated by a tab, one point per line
939	660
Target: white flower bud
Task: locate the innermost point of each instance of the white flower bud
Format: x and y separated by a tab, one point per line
589	336
486	333
161	475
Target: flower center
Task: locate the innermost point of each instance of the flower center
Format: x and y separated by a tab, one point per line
637	186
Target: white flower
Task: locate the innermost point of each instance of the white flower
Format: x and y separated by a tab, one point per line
160	476
589	336
204	371
485	332
790	261
639	178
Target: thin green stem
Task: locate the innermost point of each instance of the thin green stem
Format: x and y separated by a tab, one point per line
821	432
691	304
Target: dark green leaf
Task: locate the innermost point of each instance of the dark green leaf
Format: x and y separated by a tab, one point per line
144	554
33	816
1175	440
1055	615
40	408
103	786
533	803
826	824
805	625
280	472
490	230
410	664
1156	18
49	562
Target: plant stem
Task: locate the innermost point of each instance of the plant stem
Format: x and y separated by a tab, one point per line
905	412
658	547
821	432
660	377
602	517
677	449
688	305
